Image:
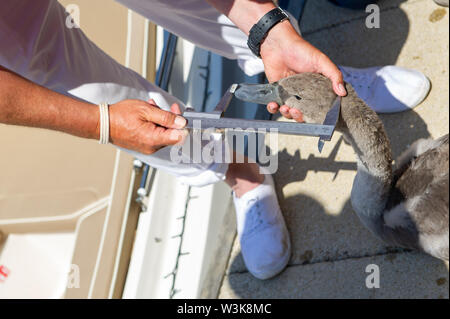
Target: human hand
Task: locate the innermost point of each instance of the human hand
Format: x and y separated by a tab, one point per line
284	53
144	127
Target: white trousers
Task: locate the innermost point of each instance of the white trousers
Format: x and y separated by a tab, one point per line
35	43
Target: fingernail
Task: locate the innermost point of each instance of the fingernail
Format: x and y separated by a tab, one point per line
342	88
180	122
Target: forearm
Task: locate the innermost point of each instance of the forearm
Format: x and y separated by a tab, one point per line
243	13
25	103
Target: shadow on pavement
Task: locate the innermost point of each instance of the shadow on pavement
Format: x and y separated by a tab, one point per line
401	272
320	237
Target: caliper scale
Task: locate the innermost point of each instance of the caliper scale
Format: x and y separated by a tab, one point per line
215	120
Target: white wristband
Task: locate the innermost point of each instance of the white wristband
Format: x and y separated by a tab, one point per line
104	123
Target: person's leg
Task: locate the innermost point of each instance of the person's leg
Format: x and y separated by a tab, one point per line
262	231
443	3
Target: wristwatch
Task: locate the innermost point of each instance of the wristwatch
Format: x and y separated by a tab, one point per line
259	30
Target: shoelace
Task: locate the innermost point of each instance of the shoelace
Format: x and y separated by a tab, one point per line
253	219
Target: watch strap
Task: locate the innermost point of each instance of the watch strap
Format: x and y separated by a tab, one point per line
259	30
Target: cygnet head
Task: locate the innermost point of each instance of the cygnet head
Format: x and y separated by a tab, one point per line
310	93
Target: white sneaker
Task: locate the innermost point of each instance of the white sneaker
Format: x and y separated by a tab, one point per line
264	238
388	89
443	3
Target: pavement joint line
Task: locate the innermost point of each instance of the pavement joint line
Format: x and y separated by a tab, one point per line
333	25
324	261
226	267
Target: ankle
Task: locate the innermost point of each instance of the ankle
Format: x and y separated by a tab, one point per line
243	177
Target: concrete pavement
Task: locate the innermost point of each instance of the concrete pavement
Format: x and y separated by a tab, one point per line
331	249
